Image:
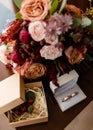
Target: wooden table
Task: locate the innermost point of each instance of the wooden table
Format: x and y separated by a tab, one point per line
58	120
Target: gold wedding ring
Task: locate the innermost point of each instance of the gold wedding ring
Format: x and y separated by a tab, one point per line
69	96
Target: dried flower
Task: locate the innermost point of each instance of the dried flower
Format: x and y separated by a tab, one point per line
75	11
75	55
31	70
11	31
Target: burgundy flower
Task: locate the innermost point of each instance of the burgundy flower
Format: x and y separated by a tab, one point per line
24	36
16	57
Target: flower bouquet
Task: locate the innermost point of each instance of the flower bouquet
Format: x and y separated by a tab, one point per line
47	38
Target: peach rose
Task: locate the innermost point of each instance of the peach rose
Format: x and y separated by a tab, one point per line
34	10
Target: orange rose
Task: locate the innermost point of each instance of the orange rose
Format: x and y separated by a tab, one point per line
34	10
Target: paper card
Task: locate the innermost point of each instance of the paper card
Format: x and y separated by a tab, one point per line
67	96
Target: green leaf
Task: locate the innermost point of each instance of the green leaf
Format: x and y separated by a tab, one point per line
91	26
88	57
54	6
76	22
18	15
64	2
85	21
30	109
17	3
30	95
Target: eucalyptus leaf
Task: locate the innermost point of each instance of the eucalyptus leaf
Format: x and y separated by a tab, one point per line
17	3
54	6
18	15
76	22
85	21
64	2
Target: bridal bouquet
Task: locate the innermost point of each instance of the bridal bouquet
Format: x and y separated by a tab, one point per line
46	37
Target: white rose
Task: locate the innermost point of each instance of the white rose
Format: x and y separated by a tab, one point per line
50	52
37	30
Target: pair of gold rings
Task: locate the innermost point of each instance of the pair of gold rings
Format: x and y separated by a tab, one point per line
69	96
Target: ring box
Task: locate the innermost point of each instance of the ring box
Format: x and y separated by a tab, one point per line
68	93
12	95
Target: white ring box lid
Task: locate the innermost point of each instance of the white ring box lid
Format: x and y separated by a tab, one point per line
12	92
72	77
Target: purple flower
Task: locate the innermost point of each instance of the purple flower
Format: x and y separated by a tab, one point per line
55	21
57	25
66	22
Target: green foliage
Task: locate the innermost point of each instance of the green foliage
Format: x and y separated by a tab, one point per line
30	109
88	57
64	2
85	21
76	22
17	3
54	6
91	26
18	15
30	95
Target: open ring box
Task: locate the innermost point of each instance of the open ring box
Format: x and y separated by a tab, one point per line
68	93
12	95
